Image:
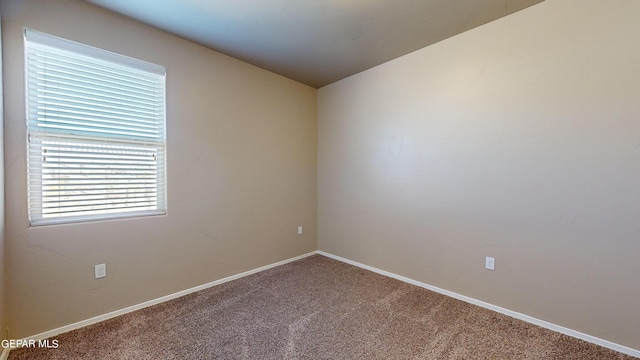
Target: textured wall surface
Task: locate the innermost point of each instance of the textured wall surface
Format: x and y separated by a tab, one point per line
241	145
520	140
2	245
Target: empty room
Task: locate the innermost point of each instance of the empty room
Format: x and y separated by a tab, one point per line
320	179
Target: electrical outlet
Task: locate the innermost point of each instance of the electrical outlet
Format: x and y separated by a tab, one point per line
100	271
490	263
299	230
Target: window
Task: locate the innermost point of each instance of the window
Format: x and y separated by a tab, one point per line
96	133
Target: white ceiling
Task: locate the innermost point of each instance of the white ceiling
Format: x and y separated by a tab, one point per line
315	42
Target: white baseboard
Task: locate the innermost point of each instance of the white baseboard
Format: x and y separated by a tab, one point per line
514	314
99	318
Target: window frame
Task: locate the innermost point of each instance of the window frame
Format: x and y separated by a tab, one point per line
108	142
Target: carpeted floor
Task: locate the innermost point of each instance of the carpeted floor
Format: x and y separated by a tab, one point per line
316	308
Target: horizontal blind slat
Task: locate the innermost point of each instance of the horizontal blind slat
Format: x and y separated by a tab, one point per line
50	60
101	210
95	205
56	77
91	196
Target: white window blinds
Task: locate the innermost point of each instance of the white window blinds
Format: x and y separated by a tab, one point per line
96	133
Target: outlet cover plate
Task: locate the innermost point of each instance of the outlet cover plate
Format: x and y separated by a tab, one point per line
100	271
490	263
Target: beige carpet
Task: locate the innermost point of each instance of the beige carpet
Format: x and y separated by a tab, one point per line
316	308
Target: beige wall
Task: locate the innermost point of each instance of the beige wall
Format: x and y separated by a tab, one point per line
3	326
518	140
241	177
